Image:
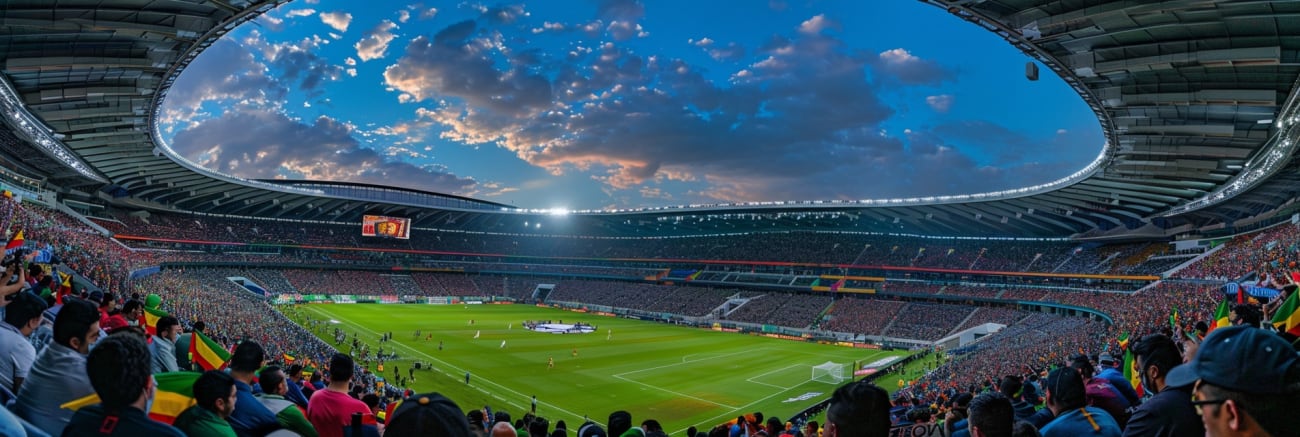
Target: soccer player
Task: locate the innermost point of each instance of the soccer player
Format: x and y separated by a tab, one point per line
503	344
477	333
550	363
575	352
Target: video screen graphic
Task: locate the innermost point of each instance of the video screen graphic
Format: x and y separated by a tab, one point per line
386	227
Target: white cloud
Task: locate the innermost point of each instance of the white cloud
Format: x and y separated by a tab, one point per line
940	103
702	42
350	61
816	25
403	15
376	41
338	20
301	13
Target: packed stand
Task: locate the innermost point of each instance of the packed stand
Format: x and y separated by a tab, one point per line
928	322
862	316
781	309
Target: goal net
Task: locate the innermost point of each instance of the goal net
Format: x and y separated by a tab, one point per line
829	372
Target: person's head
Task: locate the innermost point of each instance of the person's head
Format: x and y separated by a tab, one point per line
25	312
169	328
1065	390
248	357
858	409
341	368
1010	387
1245	314
1025	429
199	326
538	426
503	429
272	380
35	270
1244	381
1155	355
118	369
1081	364
132	309
428	414
619	422
294	372
215	392
372	401
1106	361
77	325
991	415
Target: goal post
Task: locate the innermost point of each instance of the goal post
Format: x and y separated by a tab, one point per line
829	372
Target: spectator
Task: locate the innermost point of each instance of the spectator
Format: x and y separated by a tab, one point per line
215	397
129	316
183	346
22	316
428	414
1246	381
858	409
957	418
274	386
118	368
250	418
164	345
1169	413
331	409
991	415
1066	399
1245	314
620	422
1025	429
1117	379
59	374
1011	387
503	429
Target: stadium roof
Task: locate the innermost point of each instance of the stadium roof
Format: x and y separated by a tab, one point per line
1196	98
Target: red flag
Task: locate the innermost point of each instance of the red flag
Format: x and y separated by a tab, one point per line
16	242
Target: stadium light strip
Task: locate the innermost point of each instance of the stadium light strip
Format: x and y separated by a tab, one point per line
38	133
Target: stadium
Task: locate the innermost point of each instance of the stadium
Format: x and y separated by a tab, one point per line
649	320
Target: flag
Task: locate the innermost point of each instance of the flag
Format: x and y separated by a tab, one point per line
288	359
1220	317
65	287
208	353
151	316
1173	319
1132	374
1123	341
175	394
15	242
1287	319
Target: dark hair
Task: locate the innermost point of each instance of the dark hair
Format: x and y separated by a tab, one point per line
118	369
1157	350
428	414
859	409
270	378
212	385
1082	365
538	426
1011	386
199	326
341	368
74	320
248	357
1024	429
992	414
165	323
1066	388
131	305
24	308
1273	413
1248	314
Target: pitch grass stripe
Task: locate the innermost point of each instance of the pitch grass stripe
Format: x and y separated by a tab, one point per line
447	365
684	395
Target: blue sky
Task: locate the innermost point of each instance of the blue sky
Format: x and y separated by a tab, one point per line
620	103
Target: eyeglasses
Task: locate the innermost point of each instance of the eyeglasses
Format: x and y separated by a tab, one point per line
1197	402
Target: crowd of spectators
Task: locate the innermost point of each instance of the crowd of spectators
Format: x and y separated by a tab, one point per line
929	322
862	316
782	309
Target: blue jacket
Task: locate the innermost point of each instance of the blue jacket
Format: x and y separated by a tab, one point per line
1121	384
250	417
1075	423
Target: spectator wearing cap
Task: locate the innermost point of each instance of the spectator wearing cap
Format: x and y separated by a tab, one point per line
59	374
591	429
118	368
274	386
215	398
331	409
21	317
182	348
1032	392
992	415
1066	398
428	414
163	346
858	409
1245	382
1169	413
250	417
1117	379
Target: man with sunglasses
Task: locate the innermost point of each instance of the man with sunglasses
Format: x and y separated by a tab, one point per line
1246	382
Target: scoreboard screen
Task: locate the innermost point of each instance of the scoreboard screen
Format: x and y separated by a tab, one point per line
387	227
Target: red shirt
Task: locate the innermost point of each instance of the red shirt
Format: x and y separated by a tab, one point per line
329	411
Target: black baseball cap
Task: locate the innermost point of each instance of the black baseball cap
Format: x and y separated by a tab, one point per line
1239	358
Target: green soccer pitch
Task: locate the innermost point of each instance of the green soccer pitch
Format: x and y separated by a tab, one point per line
677	375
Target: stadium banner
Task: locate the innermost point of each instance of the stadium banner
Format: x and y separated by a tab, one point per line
387	227
917	430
